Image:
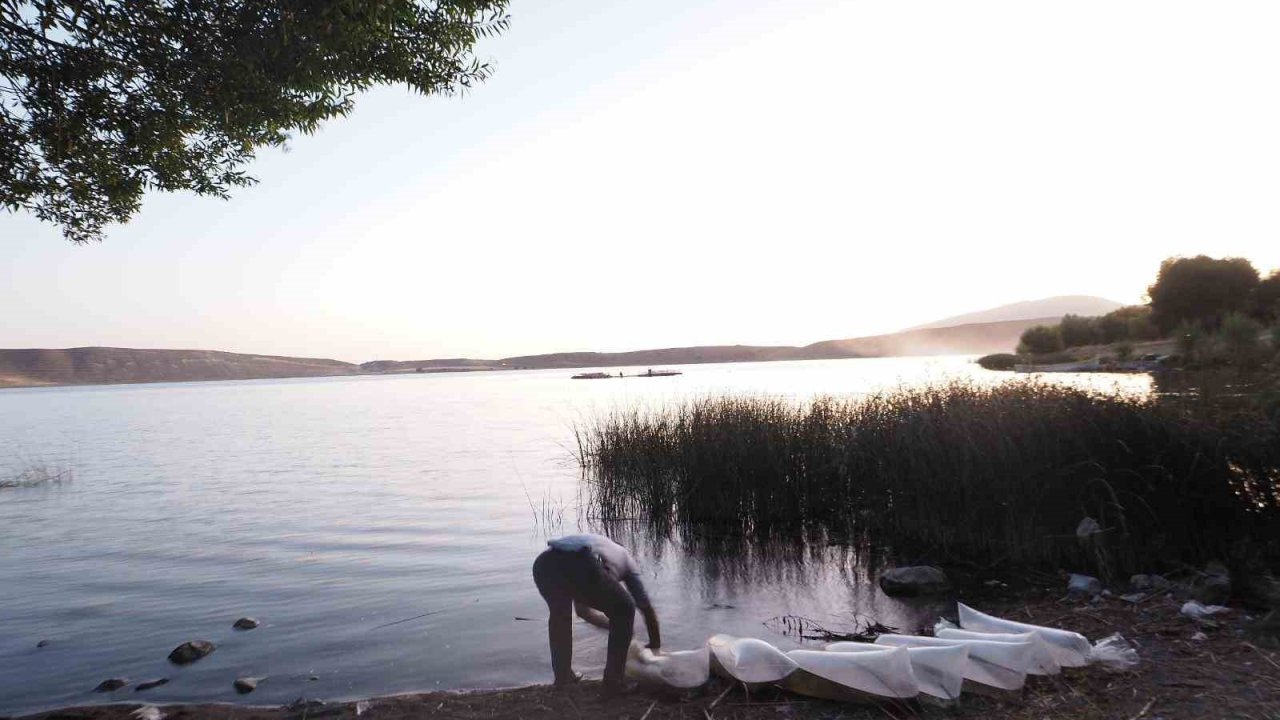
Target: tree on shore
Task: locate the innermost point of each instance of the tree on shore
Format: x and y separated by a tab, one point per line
1201	290
1266	299
101	101
1040	340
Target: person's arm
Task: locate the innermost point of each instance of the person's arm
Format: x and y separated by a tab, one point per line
636	588
651	623
592	615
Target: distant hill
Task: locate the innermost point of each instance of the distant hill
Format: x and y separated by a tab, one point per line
102	365
438	365
665	356
969	339
97	365
1051	307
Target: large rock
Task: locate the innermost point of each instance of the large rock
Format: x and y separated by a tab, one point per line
189	652
914	580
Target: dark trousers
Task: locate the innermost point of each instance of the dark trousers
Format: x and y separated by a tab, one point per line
565	578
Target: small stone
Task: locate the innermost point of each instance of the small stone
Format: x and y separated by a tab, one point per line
1083	585
151	684
245	623
1134	597
42	643
1199	636
110	685
914	580
245	685
1141	582
313	678
189	652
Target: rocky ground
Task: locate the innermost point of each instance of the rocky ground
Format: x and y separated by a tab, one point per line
1227	666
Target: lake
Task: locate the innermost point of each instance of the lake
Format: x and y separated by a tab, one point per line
341	511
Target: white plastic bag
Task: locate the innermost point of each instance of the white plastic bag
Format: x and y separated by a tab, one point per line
999	665
939	671
1042	661
842	676
1114	654
1198	612
748	660
682	670
1070	649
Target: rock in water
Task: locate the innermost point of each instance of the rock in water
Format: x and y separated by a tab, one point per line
42	643
111	685
914	580
245	685
150	684
246	623
189	652
1083	586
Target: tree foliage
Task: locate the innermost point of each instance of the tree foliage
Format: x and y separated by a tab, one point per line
1266	298
101	101
1201	290
1241	337
1040	340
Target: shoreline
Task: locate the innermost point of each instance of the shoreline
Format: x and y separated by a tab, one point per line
1186	670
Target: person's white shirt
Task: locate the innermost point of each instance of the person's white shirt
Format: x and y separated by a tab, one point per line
615	559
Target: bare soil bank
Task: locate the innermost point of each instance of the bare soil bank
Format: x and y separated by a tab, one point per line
1228	674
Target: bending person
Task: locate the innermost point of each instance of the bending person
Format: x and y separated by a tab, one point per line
596	577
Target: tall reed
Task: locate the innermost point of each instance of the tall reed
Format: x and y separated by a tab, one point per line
955	472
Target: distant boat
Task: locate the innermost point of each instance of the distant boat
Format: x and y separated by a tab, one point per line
592	376
659	373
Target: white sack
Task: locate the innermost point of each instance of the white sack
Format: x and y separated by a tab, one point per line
749	660
1070	649
682	669
939	671
1042	660
998	665
885	674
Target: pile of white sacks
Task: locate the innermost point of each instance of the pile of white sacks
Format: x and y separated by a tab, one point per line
984	654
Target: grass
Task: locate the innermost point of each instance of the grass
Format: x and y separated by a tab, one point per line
954	473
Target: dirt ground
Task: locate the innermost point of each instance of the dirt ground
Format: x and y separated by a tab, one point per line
1230	673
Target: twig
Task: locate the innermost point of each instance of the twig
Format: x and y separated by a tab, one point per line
1144	709
415	617
645	716
713	704
1264	655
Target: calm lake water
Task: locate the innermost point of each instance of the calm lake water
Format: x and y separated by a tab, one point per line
331	508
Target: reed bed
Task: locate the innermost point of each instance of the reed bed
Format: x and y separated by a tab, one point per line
956	472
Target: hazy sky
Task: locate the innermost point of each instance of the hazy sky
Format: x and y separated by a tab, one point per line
665	173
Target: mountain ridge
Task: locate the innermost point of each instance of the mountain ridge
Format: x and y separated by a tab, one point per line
30	367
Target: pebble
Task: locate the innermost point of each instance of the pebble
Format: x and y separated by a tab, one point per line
246	623
111	685
151	684
189	652
245	685
42	643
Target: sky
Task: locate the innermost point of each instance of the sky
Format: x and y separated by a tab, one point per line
696	172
